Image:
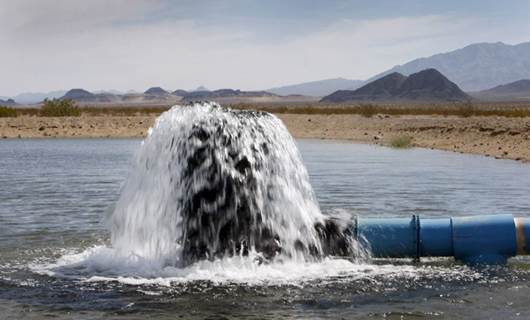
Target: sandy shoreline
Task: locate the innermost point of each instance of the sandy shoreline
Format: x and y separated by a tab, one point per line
499	137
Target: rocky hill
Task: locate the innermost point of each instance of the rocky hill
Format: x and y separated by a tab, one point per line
426	85
179	92
156	91
381	89
84	96
78	94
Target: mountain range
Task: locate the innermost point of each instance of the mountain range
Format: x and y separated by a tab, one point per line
37	97
157	95
426	85
153	95
475	67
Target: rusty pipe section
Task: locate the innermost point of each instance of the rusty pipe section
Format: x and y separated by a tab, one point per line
488	239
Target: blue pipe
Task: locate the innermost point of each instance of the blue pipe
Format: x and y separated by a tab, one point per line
490	239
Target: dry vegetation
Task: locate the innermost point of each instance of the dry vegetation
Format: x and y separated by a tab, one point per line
100	111
59	108
6	112
512	110
401	142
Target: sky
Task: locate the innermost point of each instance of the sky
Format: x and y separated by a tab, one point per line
242	44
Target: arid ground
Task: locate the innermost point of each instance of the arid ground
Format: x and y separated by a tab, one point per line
489	135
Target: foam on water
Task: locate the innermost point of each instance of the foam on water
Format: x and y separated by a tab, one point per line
104	264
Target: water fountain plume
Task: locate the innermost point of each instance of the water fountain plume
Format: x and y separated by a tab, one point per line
210	181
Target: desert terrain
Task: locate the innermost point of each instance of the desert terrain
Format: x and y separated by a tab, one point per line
490	135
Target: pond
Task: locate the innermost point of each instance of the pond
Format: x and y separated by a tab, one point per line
55	196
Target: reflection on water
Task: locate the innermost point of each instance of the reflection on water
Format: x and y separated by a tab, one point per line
55	195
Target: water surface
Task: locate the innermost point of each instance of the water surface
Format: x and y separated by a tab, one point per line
55	195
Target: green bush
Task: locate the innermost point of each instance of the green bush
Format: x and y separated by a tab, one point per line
401	142
7	112
59	108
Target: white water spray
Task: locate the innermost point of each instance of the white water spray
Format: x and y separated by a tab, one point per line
208	181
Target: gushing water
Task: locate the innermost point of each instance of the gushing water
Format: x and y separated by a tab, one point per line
210	182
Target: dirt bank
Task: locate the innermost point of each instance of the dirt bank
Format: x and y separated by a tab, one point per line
491	136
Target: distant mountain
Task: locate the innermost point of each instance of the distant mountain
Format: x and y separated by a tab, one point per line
381	89
156	91
518	90
317	88
426	85
201	88
158	96
152	96
35	97
225	93
78	94
475	67
84	96
179	92
8	103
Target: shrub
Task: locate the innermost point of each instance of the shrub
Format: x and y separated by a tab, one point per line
401	142
7	112
59	108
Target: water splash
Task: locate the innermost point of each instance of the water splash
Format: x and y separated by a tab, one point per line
209	182
211	194
101	264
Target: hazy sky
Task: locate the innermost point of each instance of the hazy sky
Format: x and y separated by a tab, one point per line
247	44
